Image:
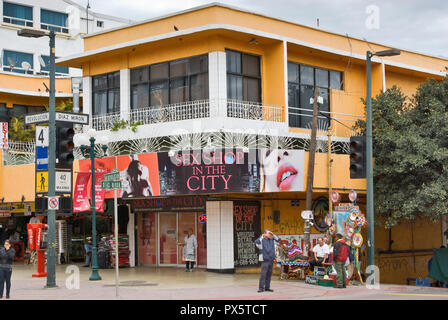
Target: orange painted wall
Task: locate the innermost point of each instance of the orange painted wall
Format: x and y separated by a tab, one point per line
16	181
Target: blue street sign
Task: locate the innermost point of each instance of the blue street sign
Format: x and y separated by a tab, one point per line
41	158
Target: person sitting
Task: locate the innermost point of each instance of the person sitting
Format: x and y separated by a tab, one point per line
320	253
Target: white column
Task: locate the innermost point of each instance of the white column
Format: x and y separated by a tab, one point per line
125	93
36	17
131	235
87	97
220	236
285	70
217	75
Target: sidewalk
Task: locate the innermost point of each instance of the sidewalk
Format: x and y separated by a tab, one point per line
151	283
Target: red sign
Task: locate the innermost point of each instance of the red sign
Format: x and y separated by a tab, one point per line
80	199
99	193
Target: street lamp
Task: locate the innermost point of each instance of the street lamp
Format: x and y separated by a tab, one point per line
88	150
369	155
51	261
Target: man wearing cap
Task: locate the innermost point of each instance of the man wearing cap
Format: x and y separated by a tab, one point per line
88	248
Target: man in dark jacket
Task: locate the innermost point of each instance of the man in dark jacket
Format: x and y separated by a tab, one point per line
6	258
265	243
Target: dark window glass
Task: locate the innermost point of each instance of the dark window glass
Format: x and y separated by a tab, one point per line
233	62
293	72
293	103
306	75
159	93
170	82
57	69
4	116
243	76
159	71
54	18
17	62
322	78
306	93
336	80
106	93
199	86
22	13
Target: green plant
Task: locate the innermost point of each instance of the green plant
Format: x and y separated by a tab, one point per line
18	132
122	124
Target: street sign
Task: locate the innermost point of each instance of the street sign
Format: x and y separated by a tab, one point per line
78	118
41	158
41	181
42	137
63	181
113	176
3	135
53	203
111	185
60	116
37	118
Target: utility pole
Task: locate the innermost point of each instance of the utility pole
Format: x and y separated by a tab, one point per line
310	177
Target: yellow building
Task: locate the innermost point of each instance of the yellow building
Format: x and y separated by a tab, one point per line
217	76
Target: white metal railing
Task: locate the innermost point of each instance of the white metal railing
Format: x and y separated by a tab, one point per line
27	23
174	112
254	111
19	153
106	121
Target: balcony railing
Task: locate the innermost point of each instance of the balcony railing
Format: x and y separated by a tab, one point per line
254	111
106	121
19	153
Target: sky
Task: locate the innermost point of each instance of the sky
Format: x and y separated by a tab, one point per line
418	25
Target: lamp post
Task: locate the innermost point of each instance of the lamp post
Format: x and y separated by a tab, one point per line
369	154
88	150
51	253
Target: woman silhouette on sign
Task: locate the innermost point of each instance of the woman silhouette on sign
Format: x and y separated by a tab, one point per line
138	177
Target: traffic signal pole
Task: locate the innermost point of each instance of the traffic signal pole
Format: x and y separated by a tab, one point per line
51	251
369	165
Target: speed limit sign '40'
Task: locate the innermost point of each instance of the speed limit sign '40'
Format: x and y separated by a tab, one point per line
53	203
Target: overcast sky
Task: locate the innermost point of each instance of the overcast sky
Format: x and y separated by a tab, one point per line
419	25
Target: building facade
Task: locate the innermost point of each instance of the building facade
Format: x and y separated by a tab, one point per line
208	115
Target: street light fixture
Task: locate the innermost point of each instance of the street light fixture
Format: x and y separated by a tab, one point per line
369	155
51	261
86	142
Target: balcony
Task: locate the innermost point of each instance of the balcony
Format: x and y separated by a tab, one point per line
199	109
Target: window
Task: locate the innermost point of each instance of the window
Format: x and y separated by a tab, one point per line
106	93
302	80
52	20
17	111
170	82
100	24
61	70
4	117
19	62
243	76
17	14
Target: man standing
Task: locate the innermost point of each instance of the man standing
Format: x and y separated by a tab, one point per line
341	252
88	247
320	253
265	243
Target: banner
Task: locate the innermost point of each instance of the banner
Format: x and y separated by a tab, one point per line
247	226
99	192
80	197
3	135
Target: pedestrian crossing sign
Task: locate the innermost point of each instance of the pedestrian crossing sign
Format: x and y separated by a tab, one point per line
41	181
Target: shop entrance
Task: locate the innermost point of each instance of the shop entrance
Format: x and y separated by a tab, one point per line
158	234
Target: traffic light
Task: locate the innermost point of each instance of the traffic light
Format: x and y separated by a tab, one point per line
41	204
358	168
64	145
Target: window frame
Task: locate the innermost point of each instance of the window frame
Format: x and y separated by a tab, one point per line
243	76
47	72
107	89
169	81
301	113
55	27
27	22
20	70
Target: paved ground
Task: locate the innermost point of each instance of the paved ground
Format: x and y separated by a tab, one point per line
145	283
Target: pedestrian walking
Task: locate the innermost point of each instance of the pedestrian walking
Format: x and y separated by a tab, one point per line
266	244
341	253
88	247
190	246
6	258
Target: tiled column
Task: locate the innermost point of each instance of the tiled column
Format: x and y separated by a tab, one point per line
220	257
217	75
131	234
125	93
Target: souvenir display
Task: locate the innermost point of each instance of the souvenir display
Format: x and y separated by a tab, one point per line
357	240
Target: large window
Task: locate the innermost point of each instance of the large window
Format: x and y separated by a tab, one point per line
52	20
302	80
243	76
61	70
17	14
170	82
106	93
17	111
4	116
19	62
